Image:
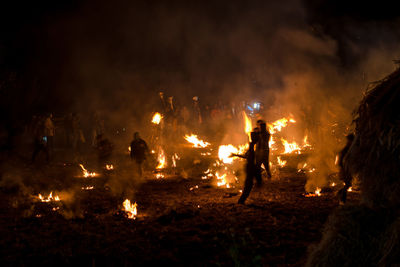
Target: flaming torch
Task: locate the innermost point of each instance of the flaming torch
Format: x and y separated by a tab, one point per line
157	117
130	209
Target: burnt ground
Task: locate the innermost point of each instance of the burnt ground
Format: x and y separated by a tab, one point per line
177	224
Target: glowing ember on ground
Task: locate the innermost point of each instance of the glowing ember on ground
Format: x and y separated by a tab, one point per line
194	187
333	184
109	167
157	117
350	189
317	193
159	175
196	141
130	209
277	126
87	187
247	125
161	160
86	173
49	198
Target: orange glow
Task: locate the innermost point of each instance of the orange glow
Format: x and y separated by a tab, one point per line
109	167
281	163
290	147
225	151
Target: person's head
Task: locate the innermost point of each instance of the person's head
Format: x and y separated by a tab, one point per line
136	135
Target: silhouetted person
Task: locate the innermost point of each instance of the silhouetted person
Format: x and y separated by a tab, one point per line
40	141
262	148
344	174
139	150
104	150
251	169
49	131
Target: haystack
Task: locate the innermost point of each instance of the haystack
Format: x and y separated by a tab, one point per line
369	233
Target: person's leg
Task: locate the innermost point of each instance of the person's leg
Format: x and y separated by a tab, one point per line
266	165
248	184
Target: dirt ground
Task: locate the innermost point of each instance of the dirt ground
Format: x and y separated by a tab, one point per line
180	222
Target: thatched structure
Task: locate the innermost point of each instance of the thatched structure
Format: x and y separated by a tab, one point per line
369	234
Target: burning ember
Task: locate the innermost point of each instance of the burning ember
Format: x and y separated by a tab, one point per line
162	163
157	117
87	187
195	141
317	193
109	167
221	180
130	209
159	175
277	126
86	173
49	198
281	163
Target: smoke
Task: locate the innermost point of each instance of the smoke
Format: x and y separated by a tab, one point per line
114	59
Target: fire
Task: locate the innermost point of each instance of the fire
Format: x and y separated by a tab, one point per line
317	193
130	209
161	160
157	117
350	189
290	147
109	167
49	198
221	180
225	152
86	173
277	126
247	125
87	187
159	175
196	141
281	163
175	157
305	142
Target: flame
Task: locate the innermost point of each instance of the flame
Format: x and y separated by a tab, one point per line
277	126
305	142
337	160
290	147
130	209
157	117
161	160
86	173
247	125
87	187
109	167
175	157
281	163
225	151
333	184
221	180
317	193
159	175
49	198
350	189
196	141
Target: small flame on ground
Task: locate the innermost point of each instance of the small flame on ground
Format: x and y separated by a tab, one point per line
290	147
87	187
109	167
49	198
157	117
159	175
193	139
161	160
222	180
350	189
130	209
281	163
317	193
333	184
86	173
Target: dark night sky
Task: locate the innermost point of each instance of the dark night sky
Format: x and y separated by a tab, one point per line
81	47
